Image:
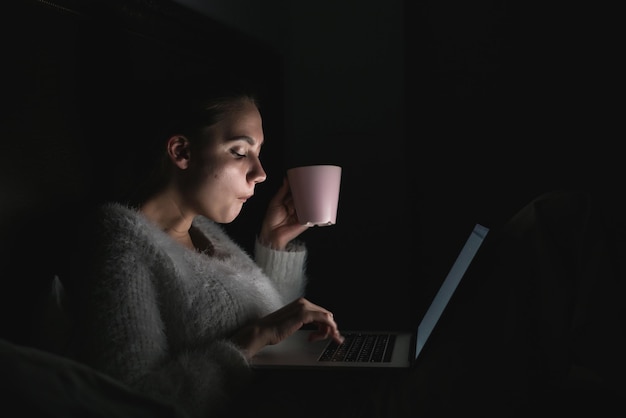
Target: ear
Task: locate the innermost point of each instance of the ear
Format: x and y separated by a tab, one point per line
178	151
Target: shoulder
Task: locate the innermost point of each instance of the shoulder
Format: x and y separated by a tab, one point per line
114	213
116	224
114	217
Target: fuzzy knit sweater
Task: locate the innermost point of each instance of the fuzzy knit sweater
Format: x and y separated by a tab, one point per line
158	316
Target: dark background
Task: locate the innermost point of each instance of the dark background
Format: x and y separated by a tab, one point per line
491	104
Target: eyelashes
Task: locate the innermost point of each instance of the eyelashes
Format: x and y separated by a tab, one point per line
240	154
237	154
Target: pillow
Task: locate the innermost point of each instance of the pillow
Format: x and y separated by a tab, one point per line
38	383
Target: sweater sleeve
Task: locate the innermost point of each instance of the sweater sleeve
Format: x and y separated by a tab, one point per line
286	269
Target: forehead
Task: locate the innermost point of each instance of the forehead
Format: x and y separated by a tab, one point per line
244	111
243	120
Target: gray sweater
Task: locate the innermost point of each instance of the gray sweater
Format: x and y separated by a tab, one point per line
158	316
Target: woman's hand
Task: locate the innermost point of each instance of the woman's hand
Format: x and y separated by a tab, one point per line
280	324
281	225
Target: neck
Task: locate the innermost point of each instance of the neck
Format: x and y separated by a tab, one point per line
165	210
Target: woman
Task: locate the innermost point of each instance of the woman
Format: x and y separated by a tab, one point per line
163	299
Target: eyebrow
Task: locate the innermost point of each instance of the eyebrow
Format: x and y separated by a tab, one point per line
245	138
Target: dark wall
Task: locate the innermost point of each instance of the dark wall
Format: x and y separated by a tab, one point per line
514	97
507	100
504	100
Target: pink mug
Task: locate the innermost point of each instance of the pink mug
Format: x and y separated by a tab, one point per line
315	191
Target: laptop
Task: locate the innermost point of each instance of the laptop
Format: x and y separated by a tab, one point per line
372	348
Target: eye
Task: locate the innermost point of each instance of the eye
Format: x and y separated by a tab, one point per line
237	153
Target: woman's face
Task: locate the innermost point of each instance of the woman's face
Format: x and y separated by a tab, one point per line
223	172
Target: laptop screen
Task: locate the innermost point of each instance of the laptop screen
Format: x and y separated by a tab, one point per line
449	285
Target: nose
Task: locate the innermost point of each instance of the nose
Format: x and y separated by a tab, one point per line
257	173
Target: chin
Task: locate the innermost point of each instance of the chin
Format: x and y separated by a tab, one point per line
230	218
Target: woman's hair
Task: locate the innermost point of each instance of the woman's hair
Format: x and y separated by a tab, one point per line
182	108
188	115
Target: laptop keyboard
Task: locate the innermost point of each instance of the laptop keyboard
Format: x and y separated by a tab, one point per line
358	347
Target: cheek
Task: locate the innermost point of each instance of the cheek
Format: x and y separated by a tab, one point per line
228	172
211	172
219	179
217	176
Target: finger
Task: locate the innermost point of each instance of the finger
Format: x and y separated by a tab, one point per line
282	192
326	328
302	311
321	333
326	332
